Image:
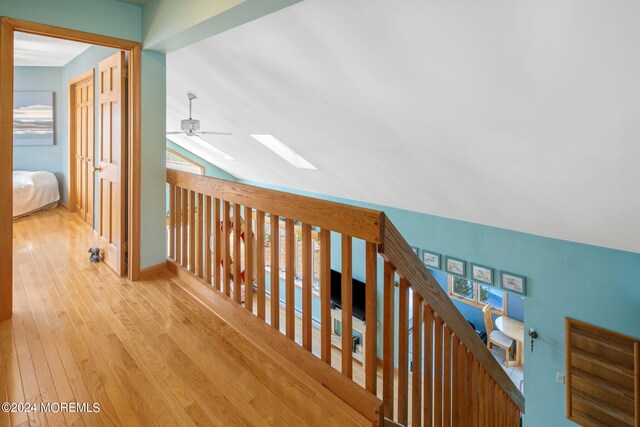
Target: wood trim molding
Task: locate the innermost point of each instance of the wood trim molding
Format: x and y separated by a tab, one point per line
69	34
7	28
6	168
135	153
71	124
82	77
147	273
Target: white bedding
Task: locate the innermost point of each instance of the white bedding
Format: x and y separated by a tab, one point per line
33	190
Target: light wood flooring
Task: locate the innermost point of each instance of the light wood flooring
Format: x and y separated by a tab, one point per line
146	352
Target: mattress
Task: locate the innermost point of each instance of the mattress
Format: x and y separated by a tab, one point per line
33	191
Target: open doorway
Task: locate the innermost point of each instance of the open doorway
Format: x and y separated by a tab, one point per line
76	143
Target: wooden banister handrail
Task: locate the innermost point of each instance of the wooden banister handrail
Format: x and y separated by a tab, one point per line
211	237
362	223
395	250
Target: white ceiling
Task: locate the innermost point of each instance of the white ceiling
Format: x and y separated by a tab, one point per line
520	115
39	51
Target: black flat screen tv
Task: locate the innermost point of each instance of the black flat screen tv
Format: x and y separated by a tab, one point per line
359	295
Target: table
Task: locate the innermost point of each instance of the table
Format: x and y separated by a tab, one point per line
514	330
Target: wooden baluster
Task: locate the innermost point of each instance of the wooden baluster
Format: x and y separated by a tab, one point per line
474	392
507	400
248	258
388	366
207	239
260	271
185	227
347	306
464	398
237	253
192	231
325	295
416	357
275	271
172	222
481	396
497	401
226	247
446	411
492	402
371	325
437	373
501	416
403	351
290	242
446	373
178	225
489	404
307	276
217	244
428	366
455	379
199	235
489	401
499	405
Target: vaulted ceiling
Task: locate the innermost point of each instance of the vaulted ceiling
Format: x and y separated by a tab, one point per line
520	115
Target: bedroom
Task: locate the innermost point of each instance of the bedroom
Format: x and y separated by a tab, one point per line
58	170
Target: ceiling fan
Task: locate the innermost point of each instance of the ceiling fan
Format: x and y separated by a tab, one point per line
190	126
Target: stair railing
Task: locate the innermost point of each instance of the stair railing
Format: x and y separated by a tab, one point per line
220	230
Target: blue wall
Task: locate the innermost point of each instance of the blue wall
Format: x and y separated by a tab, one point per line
564	279
44	157
56	158
118	19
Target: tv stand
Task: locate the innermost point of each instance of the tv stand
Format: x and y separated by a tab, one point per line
358	326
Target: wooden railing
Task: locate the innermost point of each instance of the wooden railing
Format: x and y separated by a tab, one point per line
217	231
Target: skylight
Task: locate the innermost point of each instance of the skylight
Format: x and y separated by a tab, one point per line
284	151
200	147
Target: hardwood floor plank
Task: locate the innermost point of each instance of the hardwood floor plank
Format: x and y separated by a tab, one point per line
147	352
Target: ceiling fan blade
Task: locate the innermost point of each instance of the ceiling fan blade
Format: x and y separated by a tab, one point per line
215	133
175	133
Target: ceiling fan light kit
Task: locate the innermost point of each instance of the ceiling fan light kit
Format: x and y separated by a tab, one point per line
191	126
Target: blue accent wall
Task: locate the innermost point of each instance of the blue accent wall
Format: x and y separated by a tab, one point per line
118	19
44	157
564	279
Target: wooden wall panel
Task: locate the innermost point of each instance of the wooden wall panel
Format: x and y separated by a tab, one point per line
602	376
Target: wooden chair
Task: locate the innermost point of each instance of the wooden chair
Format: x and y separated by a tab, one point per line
495	337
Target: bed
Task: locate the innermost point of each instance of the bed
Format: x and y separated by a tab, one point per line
34	192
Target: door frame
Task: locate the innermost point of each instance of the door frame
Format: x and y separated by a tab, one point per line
73	173
7	28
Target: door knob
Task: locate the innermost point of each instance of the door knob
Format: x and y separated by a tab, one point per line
97	169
